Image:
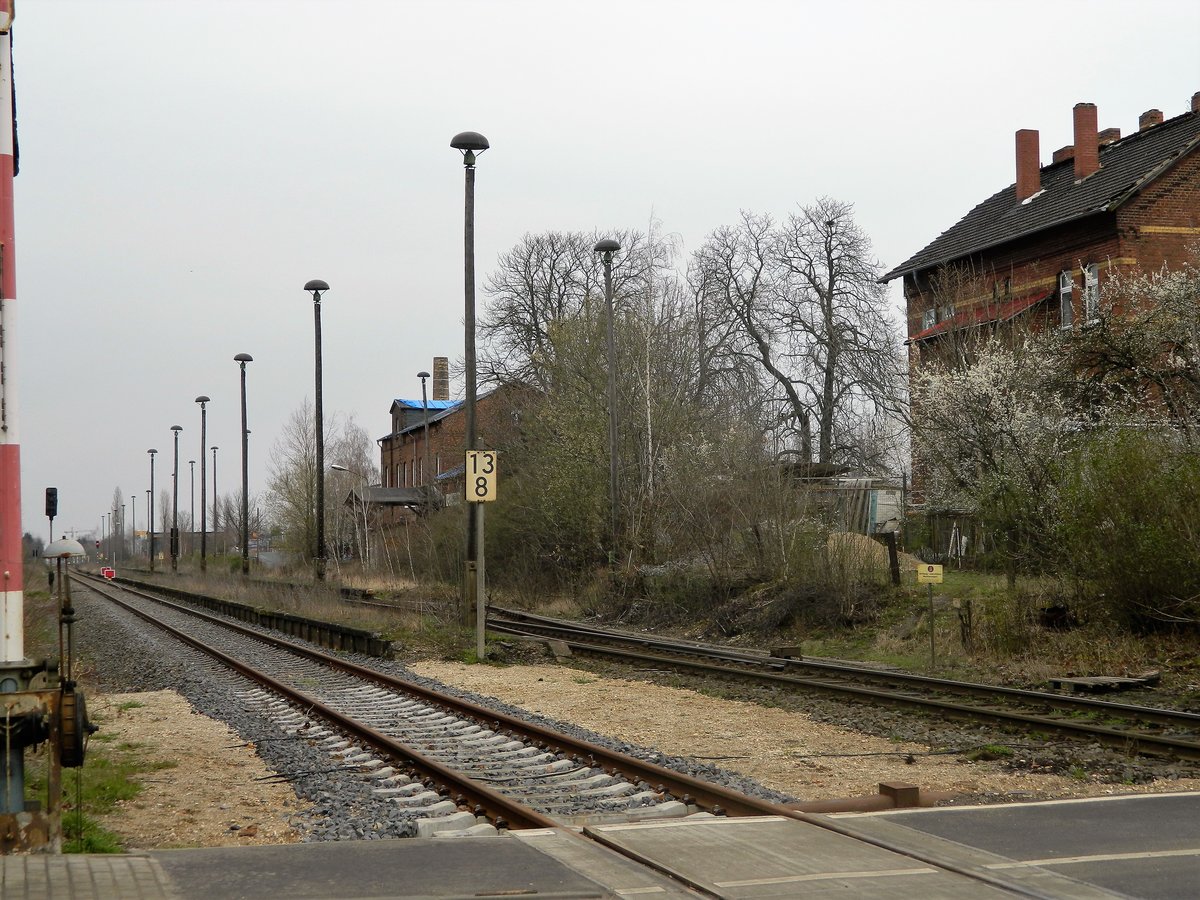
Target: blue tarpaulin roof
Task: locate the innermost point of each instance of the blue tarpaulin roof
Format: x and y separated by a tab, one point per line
431	404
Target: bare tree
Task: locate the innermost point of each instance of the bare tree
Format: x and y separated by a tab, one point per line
547	279
811	313
292	484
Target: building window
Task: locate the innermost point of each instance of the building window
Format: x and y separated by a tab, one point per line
1091	293
1066	311
945	313
1008	288
928	319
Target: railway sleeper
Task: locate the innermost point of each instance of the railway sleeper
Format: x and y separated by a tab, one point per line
520	768
426	799
455	821
407	790
390	774
422	733
620	789
631	801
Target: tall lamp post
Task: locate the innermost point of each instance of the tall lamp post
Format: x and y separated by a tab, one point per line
316	287
192	509
470	143
175	503
122	544
203	401
425	474
150	508
606	248
216	499
133	525
242	359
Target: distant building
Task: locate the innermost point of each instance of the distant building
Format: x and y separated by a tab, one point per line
413	466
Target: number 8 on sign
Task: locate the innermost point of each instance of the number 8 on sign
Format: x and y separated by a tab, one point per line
481	476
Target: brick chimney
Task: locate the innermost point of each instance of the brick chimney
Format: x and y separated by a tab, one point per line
1196	102
1029	168
1108	135
1087	147
441	378
1150	118
1067	152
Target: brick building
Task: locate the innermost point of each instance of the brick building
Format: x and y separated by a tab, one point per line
409	462
1038	250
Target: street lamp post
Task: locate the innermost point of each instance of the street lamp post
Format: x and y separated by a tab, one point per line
150	508
216	500
242	359
316	287
203	401
425	473
175	503
607	248
192	509
133	525
122	542
470	143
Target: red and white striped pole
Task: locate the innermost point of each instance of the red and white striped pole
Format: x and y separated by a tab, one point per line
12	588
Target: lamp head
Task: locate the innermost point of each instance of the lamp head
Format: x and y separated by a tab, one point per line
607	245
202	399
177	428
243	358
316	287
470	143
152	451
337	467
422	375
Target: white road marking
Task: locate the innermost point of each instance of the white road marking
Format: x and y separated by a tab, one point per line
1096	857
825	876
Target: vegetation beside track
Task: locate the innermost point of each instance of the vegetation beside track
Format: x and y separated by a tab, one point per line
111	770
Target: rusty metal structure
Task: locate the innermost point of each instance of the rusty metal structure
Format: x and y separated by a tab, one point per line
41	703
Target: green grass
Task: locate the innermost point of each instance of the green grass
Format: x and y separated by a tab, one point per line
107	778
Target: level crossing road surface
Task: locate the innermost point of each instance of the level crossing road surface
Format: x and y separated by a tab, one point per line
1145	846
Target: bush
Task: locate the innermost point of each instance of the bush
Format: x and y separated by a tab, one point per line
1127	530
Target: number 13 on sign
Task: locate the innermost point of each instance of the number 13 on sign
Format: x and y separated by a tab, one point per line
481	476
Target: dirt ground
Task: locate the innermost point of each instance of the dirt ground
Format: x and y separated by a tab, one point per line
216	782
211	797
784	750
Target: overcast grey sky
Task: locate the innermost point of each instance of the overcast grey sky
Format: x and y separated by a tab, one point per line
187	166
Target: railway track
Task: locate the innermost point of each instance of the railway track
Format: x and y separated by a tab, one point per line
441	754
1144	730
460	767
